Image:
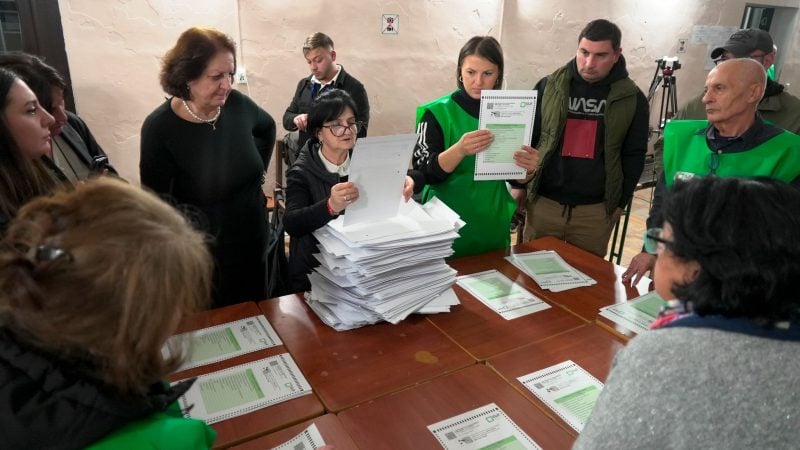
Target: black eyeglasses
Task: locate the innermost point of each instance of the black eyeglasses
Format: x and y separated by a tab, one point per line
653	242
338	130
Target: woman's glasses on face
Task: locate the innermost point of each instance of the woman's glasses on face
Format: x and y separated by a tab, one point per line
338	130
653	242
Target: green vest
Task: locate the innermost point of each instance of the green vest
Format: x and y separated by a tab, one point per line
686	151
620	109
486	206
164	430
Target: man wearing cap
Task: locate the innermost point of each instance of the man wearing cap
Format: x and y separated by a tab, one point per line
777	106
733	142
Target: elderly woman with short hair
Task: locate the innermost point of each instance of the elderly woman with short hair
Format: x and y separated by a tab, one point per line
206	149
724	373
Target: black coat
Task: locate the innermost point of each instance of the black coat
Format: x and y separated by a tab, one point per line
308	186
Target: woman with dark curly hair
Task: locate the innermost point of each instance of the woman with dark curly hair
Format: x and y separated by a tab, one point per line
206	148
723	375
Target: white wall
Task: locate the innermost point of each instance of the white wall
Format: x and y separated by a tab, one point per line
114	48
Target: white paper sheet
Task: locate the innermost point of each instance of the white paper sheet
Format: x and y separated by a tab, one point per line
378	169
637	314
487	427
245	388
509	116
308	439
550	271
567	389
225	341
501	295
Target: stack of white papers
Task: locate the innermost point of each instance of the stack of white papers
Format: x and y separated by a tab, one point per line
385	270
550	271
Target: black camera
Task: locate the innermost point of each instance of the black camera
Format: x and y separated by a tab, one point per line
669	64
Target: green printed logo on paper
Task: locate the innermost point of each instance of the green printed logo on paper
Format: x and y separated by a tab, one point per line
650	305
580	403
544	266
509	443
237	389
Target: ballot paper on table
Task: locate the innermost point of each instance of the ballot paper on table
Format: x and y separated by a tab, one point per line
487	427
378	169
567	389
308	439
238	390
509	116
550	271
225	341
501	295
636	314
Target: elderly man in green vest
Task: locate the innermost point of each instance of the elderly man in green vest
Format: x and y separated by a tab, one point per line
734	142
591	131
777	106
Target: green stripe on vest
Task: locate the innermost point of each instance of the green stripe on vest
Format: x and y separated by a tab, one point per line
686	150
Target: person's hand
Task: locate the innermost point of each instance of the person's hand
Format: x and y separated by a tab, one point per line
342	194
639	266
301	121
408	188
527	157
475	142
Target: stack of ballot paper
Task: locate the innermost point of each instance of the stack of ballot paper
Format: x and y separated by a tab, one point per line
550	271
385	270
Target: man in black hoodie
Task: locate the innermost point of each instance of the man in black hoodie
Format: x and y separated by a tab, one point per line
591	131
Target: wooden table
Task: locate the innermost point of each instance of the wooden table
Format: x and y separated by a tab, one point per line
329	426
259	422
585	302
484	333
400	421
589	346
350	367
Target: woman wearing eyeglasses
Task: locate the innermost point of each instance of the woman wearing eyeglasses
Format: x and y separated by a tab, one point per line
724	373
205	150
317	190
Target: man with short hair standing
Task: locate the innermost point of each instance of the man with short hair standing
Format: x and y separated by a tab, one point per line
733	142
591	131
325	74
777	106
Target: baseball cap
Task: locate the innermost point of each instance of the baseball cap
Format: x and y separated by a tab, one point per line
744	42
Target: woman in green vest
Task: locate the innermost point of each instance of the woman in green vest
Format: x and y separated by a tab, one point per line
450	139
92	284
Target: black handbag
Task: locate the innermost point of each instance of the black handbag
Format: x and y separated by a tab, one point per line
277	266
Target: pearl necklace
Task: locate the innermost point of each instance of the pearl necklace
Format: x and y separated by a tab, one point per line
212	121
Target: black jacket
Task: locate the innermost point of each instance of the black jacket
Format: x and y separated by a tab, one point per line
308	186
76	133
303	98
49	402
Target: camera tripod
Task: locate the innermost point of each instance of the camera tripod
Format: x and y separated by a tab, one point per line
665	77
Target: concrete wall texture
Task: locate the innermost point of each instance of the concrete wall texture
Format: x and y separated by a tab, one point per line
114	49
